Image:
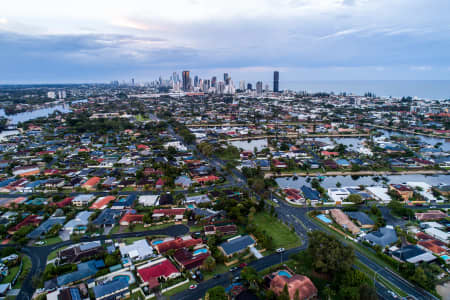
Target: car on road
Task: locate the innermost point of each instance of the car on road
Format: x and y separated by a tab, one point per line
233	269
394	295
40	243
280	250
192	286
275	200
216	276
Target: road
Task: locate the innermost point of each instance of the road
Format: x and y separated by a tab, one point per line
294	216
39	255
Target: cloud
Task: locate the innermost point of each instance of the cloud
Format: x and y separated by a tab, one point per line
421	68
342	33
3	21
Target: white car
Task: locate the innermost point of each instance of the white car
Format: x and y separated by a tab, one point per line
193	287
280	250
275	200
40	243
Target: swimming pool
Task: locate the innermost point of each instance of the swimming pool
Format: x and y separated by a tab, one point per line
123	277
445	257
191	206
284	273
324	219
200	251
157	242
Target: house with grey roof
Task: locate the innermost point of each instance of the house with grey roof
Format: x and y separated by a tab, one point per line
114	289
236	245
46	226
382	237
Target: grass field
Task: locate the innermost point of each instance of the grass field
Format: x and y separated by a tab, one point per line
178	289
26	268
281	234
52	240
139	227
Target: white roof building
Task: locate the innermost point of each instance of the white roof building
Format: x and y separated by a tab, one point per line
149	200
81	219
425	190
82	200
379	193
139	250
438	234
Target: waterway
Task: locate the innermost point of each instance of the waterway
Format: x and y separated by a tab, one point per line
331	181
38	113
425	139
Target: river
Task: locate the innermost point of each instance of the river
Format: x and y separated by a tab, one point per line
331	181
38	113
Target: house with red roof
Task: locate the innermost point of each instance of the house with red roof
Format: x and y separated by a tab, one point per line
66	201
295	284
160	183
91	184
178	213
190	260
102	202
206	179
161	268
178	243
279	164
33	220
329	154
131	218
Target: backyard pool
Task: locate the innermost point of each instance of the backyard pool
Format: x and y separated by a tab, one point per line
157	242
200	251
284	273
123	277
191	206
324	219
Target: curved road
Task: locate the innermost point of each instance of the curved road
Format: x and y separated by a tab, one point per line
39	255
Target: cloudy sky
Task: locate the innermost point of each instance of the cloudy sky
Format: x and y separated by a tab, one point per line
101	40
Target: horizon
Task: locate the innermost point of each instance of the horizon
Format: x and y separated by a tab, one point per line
59	42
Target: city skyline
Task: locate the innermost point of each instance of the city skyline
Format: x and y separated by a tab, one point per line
53	42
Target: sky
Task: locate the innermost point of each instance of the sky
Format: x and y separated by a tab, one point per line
57	41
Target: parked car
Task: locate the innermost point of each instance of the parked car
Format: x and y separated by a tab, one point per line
280	250
192	286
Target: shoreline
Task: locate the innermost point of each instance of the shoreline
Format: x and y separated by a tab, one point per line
359	173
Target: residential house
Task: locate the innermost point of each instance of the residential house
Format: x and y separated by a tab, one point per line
236	245
296	284
161	268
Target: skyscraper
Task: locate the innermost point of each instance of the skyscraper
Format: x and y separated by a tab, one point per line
214	81
259	87
195	81
249	86
276	78
186	81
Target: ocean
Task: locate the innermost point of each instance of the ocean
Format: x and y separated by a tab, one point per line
424	89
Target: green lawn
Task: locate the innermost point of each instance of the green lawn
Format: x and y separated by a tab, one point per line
131	240
139	227
25	269
54	253
281	234
178	289
219	269
52	240
12	273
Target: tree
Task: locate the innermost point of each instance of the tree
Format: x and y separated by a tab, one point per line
284	294
250	276
217	293
209	264
328	254
355	198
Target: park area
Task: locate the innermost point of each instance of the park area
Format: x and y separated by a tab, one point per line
282	235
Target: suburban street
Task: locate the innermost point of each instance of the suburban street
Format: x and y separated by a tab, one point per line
292	215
